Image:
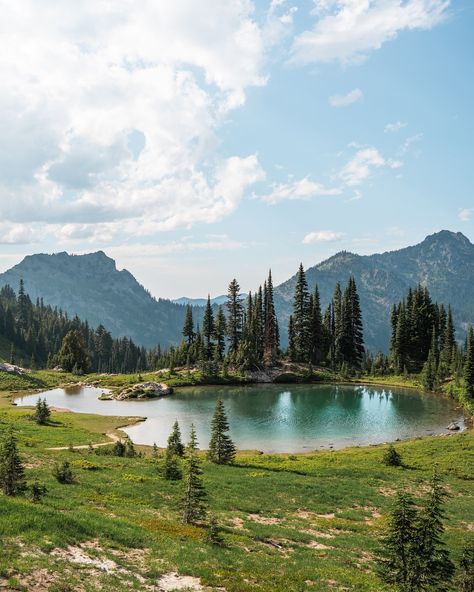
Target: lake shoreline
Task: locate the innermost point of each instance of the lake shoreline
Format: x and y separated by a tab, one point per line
331	438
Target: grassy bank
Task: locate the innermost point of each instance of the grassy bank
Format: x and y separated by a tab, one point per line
298	523
290	522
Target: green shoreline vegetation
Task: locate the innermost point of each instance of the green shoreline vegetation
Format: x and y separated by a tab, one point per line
301	522
102	515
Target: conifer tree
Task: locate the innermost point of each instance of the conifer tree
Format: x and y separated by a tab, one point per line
63	473
73	354
221	448
469	364
12	474
208	330
466	564
188	327
175	444
302	318
392	457
291	340
42	412
219	334
194	498
172	471
317	340
235	315
270	331
433	566
213	535
37	492
396	565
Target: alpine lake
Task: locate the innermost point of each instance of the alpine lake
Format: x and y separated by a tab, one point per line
275	418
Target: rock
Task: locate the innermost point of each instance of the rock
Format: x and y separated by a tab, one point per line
58	369
144	390
453	427
5	367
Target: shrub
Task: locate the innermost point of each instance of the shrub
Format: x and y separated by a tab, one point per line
63	473
392	458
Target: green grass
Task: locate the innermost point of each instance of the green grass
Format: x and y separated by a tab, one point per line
306	522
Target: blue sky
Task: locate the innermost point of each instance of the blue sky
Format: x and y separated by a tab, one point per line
201	141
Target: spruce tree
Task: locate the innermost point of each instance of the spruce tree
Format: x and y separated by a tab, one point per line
302	318
469	365
291	340
465	579
42	412
235	313
73	355
172	471
175	444
221	448
12	474
396	566
63	473
392	457
208	330
433	566
219	334
317	340
194	498
38	491
213	535
270	331
188	327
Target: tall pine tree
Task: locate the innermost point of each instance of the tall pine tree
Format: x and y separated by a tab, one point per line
221	448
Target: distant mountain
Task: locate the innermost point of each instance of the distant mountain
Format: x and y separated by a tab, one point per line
92	287
218	300
444	262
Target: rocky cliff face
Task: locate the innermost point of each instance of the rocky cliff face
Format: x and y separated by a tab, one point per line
444	262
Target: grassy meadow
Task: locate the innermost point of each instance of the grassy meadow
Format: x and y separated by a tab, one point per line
305	522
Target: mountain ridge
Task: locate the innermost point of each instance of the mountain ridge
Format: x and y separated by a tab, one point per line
92	287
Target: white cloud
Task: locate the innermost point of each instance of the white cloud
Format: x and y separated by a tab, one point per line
16	234
345	100
394	127
465	214
407	144
300	189
110	114
361	165
347	30
357	169
322	236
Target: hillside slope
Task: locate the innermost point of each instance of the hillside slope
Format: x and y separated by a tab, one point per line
92	287
444	262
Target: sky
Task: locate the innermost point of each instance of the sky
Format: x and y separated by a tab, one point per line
195	142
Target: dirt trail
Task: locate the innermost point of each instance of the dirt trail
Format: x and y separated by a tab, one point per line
111	435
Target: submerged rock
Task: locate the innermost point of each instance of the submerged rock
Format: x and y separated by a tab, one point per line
144	390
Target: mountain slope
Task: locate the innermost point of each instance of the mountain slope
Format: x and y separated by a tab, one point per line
92	287
444	262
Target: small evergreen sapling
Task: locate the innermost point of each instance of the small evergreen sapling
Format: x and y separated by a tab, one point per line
38	491
42	412
194	498
213	535
12	474
63	473
175	444
392	457
466	564
221	447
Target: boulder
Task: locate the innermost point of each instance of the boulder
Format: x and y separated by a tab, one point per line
5	367
144	390
453	427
